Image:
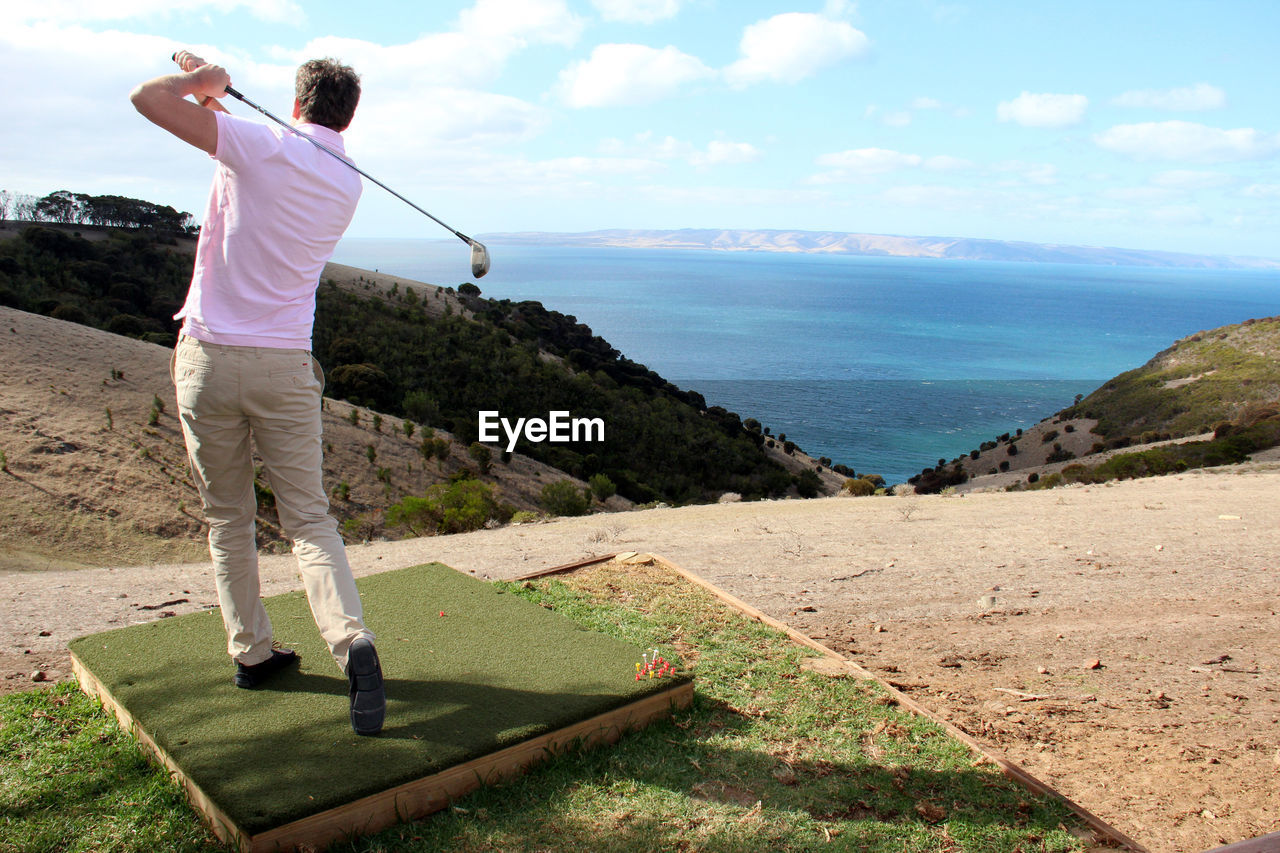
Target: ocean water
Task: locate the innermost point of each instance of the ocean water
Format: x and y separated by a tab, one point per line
883	364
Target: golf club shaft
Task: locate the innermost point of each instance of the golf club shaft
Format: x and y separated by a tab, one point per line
239	97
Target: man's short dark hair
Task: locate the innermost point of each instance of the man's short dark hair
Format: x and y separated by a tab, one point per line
327	93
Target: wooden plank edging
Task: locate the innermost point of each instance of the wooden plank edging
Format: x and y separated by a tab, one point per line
566	568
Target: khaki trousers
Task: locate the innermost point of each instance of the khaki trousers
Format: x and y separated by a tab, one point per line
225	394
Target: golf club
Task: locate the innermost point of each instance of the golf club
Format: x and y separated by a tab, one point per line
479	254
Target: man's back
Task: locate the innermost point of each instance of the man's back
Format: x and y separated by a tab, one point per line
276	210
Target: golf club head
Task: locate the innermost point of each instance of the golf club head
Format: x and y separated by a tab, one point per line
479	259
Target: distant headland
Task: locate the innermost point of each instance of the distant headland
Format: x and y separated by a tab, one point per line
879	245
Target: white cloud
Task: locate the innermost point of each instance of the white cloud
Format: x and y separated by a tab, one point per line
82	12
1176	214
947	163
393	126
637	11
1186	179
1037	174
1188	141
936	196
1264	191
623	74
1201	96
923	103
1138	195
717	152
902	118
789	47
863	163
525	21
474	53
1043	110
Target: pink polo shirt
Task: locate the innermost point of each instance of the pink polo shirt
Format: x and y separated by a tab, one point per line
276	210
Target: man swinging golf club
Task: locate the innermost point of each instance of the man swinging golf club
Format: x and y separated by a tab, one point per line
243	364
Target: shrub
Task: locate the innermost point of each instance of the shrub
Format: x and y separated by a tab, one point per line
482	455
1059	455
564	498
1076	473
1004	465
354	416
4	462
456	508
342	491
1052	481
602	487
377	422
808	484
860	487
408	429
70	313
1049	436
1013	450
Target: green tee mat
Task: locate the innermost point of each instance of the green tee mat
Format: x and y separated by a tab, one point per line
493	673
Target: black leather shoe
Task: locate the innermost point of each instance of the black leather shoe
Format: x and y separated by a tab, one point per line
249	677
368	699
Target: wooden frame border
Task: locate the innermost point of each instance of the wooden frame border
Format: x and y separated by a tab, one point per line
1009	768
405	802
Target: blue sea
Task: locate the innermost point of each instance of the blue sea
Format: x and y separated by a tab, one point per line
882	364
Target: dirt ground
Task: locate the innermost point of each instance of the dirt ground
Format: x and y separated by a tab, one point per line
1118	641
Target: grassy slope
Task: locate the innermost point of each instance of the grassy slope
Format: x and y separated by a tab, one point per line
1189	388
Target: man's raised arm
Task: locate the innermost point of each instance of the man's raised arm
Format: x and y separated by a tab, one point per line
163	101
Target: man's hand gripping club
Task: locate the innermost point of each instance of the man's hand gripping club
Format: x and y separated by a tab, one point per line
163	100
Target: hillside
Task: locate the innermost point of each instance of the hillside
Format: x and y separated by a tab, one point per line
878	245
1212	398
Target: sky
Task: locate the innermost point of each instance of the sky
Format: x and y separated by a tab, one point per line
1152	125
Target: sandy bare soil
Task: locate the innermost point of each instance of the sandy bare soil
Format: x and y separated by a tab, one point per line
1118	641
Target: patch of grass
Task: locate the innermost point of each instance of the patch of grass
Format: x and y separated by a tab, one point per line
71	780
769	757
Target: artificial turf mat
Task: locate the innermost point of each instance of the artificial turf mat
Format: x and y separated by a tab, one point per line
494	670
